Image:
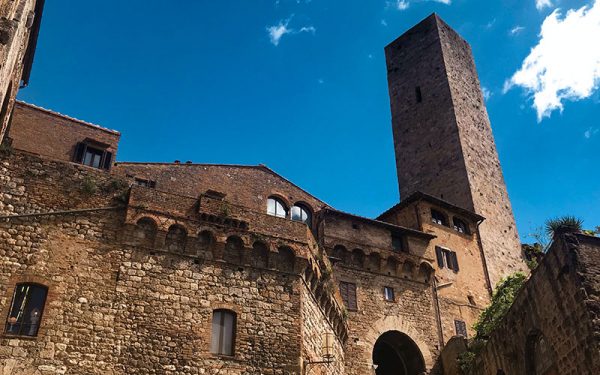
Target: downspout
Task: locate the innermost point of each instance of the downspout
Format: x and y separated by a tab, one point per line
438	315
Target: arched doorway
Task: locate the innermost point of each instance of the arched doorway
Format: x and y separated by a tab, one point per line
397	354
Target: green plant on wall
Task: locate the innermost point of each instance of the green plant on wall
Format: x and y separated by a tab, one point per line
89	186
502	299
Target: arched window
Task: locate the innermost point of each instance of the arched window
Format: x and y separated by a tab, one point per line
26	310
438	218
460	226
145	231
275	207
223	332
175	240
301	213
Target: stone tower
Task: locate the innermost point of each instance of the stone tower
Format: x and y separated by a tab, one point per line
443	138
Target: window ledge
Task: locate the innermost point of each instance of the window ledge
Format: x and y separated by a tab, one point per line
20	337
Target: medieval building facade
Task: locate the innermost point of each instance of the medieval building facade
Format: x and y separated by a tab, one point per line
179	268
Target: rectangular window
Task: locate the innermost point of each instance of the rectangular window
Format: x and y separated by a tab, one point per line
388	294
397	244
145	183
461	328
418	94
223	332
95	157
446	258
26	310
348	292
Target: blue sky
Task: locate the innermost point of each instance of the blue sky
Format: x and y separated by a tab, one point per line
300	85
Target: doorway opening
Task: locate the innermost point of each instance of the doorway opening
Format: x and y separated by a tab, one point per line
397	354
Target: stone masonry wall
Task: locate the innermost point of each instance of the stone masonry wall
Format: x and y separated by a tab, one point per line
14	40
560	304
116	307
443	139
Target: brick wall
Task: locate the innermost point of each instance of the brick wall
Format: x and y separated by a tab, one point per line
43	132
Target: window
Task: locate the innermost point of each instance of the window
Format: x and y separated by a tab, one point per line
438	218
397	244
223	332
348	292
388	294
26	310
418	94
145	183
461	328
300	213
460	226
275	207
446	258
93	156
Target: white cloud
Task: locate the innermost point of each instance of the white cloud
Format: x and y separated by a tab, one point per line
541	4
516	30
277	32
487	94
590	132
565	64
384	23
405	4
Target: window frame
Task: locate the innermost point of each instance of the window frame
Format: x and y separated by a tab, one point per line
221	332
283	205
438	217
460	328
460	222
12	309
81	150
303	210
447	258
348	292
388	294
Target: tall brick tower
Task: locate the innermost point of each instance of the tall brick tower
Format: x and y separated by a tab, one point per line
443	138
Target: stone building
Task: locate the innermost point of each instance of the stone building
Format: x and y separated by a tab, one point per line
180	268
19	27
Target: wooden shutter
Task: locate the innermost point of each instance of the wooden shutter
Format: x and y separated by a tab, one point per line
440	256
79	151
454	261
107	160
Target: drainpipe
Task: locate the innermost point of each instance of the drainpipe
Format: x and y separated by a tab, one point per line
438	315
483	261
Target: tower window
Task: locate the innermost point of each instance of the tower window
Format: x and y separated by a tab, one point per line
438	218
348	293
446	258
223	332
418	94
460	226
301	213
388	294
26	310
461	328
145	183
275	207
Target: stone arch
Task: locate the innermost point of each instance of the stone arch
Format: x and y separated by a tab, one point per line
391	266
425	272
340	252
285	259
358	258
145	232
260	255
234	250
394	323
395	353
374	262
204	244
176	238
408	268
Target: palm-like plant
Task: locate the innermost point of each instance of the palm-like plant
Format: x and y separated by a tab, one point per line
563	224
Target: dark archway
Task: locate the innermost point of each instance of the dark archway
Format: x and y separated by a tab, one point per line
396	354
